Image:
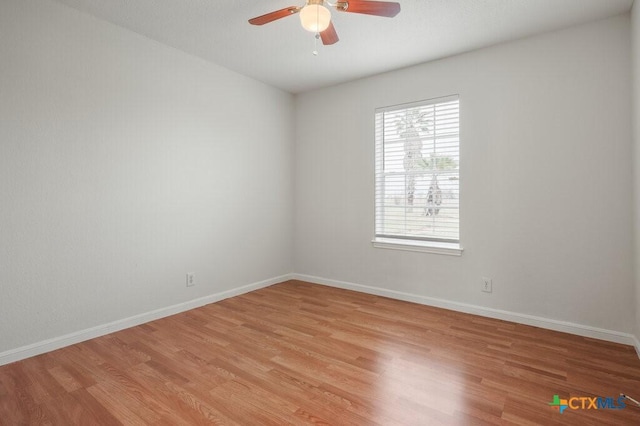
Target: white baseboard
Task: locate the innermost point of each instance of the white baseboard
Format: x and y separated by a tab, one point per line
550	324
48	345
636	344
52	344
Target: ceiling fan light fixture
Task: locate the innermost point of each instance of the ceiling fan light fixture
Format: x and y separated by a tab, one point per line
315	18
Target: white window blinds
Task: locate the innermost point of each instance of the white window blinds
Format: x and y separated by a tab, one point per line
417	171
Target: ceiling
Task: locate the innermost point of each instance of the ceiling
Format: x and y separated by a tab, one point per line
280	53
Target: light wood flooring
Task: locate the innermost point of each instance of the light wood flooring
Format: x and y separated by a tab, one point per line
298	353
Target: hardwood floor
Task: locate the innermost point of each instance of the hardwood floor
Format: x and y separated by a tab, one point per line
297	353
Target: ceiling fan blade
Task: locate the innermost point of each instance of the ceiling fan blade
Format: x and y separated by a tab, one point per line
329	36
378	8
272	16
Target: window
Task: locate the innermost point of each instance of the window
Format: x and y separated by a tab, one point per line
417	176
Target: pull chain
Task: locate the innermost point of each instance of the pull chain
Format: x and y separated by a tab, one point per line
315	44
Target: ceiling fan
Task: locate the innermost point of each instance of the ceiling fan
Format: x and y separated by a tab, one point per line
316	17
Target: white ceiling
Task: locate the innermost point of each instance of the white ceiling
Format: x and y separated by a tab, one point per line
280	53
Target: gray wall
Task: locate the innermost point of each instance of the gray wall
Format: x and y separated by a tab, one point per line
635	54
545	178
125	164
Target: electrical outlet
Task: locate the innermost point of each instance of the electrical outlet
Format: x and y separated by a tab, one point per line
487	285
191	279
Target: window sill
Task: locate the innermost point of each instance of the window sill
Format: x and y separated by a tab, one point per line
450	249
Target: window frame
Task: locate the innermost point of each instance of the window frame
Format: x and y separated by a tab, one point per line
409	243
